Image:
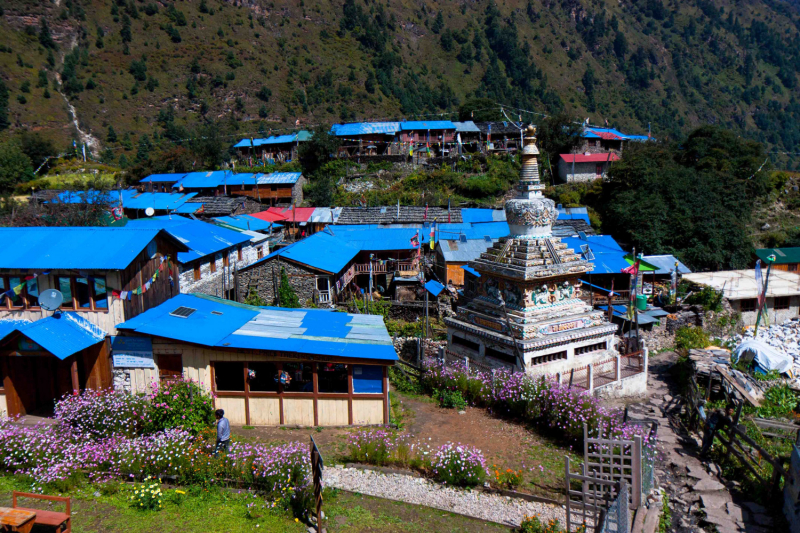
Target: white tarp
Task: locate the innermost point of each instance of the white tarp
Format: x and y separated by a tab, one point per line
765	355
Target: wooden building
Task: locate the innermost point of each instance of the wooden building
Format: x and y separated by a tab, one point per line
105	276
786	259
272	366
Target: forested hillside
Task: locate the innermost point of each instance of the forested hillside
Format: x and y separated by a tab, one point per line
136	67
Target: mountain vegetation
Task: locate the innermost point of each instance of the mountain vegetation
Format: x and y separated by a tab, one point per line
148	76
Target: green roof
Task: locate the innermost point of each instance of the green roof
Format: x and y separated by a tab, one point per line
782	255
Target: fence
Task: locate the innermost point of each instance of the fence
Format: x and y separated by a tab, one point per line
617	460
590	506
615	518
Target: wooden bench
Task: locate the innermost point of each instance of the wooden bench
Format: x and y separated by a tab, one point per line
62	522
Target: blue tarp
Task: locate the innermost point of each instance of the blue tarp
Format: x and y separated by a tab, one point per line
620	311
225	324
83	248
365	128
189	208
62	334
202	238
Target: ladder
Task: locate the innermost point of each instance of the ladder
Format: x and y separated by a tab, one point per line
501	257
553	252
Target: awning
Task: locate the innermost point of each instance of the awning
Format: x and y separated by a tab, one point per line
471	271
434	287
620	311
62	334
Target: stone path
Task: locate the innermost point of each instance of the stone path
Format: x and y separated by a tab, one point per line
421	491
698	496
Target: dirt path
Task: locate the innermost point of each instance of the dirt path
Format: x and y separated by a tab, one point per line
698	496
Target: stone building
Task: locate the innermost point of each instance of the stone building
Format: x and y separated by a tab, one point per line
584	167
527	313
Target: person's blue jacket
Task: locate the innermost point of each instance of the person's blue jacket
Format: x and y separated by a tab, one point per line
223	429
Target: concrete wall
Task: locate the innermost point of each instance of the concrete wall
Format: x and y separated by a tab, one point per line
303	280
211	283
775	316
635	385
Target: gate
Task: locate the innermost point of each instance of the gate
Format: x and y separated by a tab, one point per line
588	506
617	460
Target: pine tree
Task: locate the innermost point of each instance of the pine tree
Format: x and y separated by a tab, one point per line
112	135
45	39
438	24
4	123
286	295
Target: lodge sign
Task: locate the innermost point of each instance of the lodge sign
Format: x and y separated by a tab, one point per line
486	323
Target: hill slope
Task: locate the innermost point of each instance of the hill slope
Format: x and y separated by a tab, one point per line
144	66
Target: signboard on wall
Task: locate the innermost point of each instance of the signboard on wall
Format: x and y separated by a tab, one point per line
132	352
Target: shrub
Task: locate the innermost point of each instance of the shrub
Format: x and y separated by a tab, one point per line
376	446
691	337
403	382
450	399
180	404
458	465
532	524
147	495
101	414
507	478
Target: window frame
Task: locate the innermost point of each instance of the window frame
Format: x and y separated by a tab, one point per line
212	264
92	296
752	305
785	303
196	272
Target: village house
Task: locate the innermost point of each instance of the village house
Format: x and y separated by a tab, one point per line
739	288
213	252
104	276
584	167
500	136
274	188
597	140
367	138
271	366
162	203
161	182
435	134
273	149
786	259
468	136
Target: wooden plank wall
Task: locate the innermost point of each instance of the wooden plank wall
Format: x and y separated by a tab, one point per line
141	270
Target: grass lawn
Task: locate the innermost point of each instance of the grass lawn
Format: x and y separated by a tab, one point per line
97	509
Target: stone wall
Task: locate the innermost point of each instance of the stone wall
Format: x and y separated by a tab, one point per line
407	348
583	172
303	280
684	316
211	283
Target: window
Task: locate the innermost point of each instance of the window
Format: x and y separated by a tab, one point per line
83	293
259	252
225	259
367	379
212	265
239	254
65	286
17	285
229	376
502	356
782	302
332	378
32	292
170	366
100	293
301	375
263	377
461	341
197	274
590	348
549	358
793	267
749	304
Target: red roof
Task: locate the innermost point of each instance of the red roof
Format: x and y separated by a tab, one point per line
269	216
590	158
607	135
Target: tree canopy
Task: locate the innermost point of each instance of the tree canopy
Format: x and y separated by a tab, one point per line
693	199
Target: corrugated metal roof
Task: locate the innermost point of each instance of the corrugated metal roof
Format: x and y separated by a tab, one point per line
365	128
455	251
82	248
782	255
471	271
188	209
573	213
466	127
242	178
470	214
292	214
269	216
221	323
202	238
666	263
93	196
62	334
321	251
160	201
163	178
325	215
300	136
741	284
285	178
247	222
202	180
434	287
427	125
609	257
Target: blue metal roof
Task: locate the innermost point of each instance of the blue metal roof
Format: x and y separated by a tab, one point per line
274	139
466	127
427	125
83	248
163	178
234	325
278	178
202	180
189	208
609	257
93	196
666	263
62	334
471	271
320	250
241	179
434	287
365	128
471	214
620	311
160	201
456	251
573	213
247	222
201	238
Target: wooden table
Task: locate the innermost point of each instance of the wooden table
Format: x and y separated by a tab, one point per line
16	520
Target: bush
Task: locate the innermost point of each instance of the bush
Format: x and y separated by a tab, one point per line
147	495
532	524
180	404
507	478
450	399
403	382
378	447
100	414
688	338
458	465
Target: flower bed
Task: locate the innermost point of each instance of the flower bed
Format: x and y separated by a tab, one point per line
562	409
117	445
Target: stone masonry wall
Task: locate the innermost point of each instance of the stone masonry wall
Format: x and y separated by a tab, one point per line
211	283
302	280
407	348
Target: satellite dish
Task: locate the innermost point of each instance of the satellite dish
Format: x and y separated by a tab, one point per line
149	211
51	299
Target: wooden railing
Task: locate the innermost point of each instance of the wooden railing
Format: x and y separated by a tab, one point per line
378	268
264	193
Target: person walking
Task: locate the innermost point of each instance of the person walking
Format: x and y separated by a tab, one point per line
713	424
223	432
